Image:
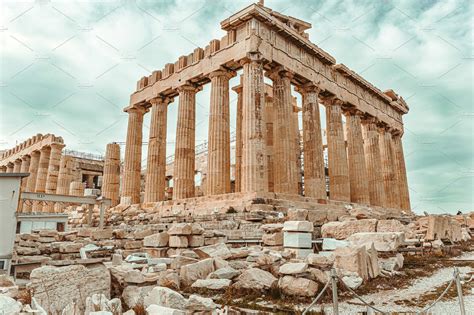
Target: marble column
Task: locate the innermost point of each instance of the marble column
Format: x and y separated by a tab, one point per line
359	181
314	175
296	145
42	175
25	166
373	161
10	167
218	157
238	139
66	165
3	169
155	182
269	119
33	170
400	171
284	162
387	170
339	184
76	189
184	157
254	161
111	177
53	172
133	157
17	166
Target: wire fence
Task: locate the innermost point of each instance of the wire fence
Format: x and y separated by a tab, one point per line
334	279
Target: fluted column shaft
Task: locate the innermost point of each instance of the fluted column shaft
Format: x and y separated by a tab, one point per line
53	172
184	157
339	185
155	183
358	176
25	166
133	156
64	179
284	161
373	162
400	171
42	175
388	174
111	178
238	140
254	159
10	168
33	170
314	175
17	166
218	158
3	169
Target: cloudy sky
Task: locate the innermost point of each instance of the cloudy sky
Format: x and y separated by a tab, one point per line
68	68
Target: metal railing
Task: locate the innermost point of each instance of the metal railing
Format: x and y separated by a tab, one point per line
84	155
334	279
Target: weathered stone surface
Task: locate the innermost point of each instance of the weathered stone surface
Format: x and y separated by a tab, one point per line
133	295
297	239
332	244
352	259
212	284
298	226
390	226
255	278
297	214
383	241
9	305
352	281
134	276
154	309
218	250
54	288
297	286
70	247
224	273
293	268
196	240
156	240
272	227
342	230
319	260
27	251
179	241
181	229
273	239
165	297
198	303
199	270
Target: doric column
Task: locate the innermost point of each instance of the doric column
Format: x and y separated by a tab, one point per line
400	171
53	172
25	167
3	169
33	170
359	181
76	189
238	138
10	167
133	156
43	167
218	157
254	162
156	159
184	157
111	178
269	119
388	175
64	179
373	161
296	145
339	185
284	162
314	176
17	166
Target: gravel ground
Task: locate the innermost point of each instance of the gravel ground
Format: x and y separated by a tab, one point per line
386	300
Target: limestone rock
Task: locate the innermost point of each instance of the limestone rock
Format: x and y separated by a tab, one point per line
218	250
332	244
298	226
297	214
297	239
165	297
383	241
352	281
352	259
297	286
9	305
273	239
133	295
198	303
293	268
178	241
390	226
272	228
212	284
55	287
224	273
199	270
181	229
255	278
134	276
319	260
154	309
342	230
156	240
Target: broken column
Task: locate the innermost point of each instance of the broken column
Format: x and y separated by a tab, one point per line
111	177
400	170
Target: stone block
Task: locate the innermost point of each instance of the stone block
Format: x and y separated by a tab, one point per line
212	284
273	239
383	241
298	286
293	268
179	241
298	226
332	243
218	250
299	253
199	270
196	240
181	229
342	230
297	240
156	240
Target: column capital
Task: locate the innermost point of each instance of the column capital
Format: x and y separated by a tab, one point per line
279	72
331	100
252	57
352	110
136	109
57	145
161	100
308	87
228	73
187	86
396	132
25	157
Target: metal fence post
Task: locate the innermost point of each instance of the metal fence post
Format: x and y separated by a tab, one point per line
335	304
459	288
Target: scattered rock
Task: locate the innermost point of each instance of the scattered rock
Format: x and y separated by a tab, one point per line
293	268
165	297
297	286
212	284
255	278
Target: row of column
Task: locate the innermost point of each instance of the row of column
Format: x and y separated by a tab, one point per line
370	169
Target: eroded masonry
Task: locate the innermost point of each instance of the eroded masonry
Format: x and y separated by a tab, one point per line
366	166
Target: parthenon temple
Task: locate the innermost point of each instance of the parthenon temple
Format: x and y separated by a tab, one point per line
365	156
